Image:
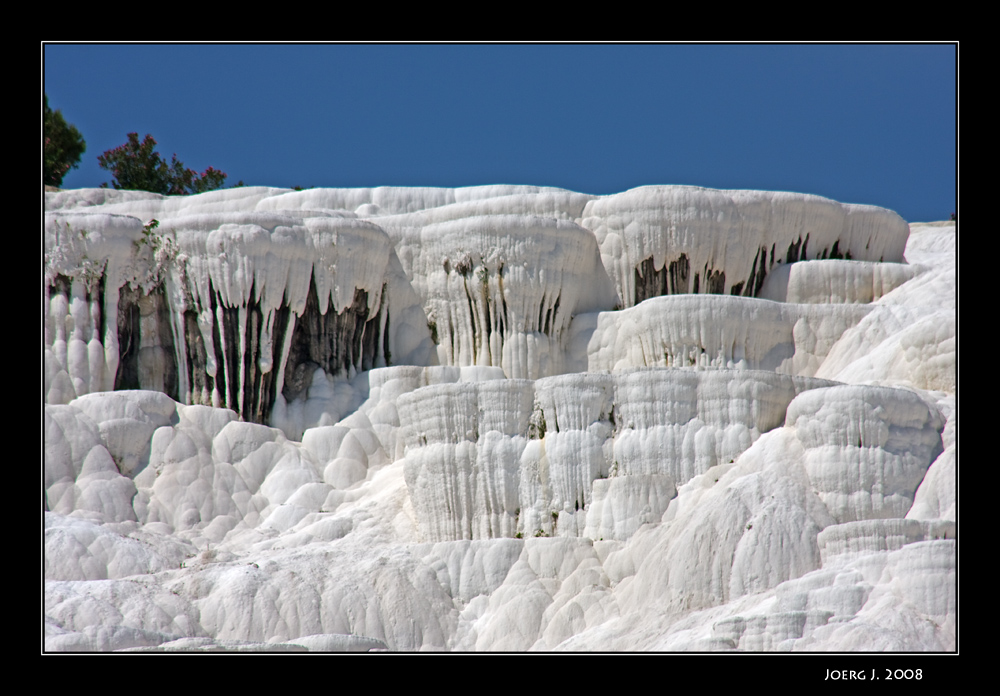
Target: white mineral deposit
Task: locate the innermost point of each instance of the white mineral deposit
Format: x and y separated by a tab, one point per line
497	418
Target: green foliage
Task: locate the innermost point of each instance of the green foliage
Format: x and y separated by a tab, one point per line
136	166
161	253
63	146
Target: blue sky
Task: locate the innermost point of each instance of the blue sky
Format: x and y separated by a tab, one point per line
856	123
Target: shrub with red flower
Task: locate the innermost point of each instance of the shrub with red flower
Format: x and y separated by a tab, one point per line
137	166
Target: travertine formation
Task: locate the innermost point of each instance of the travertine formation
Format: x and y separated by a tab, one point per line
497	418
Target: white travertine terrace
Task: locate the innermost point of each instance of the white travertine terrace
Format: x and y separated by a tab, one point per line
729	237
497	418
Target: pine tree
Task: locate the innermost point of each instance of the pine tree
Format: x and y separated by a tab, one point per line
63	146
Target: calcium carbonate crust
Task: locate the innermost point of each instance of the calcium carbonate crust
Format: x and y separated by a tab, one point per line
498	418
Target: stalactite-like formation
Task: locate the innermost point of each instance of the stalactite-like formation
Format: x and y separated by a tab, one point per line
725	235
146	354
604	415
227	310
339	343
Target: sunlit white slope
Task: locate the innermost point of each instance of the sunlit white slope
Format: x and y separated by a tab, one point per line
909	338
758	540
835	281
694	472
417	207
400	200
711	331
